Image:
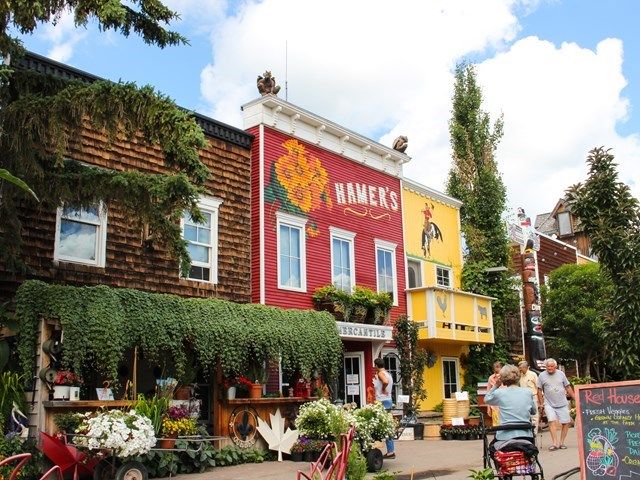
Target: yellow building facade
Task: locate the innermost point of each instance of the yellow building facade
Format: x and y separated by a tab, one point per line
450	319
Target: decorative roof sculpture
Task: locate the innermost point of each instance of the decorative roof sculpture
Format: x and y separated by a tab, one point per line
267	84
401	143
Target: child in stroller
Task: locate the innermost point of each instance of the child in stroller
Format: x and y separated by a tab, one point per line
513	449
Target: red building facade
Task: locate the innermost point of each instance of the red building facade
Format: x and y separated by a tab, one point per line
326	209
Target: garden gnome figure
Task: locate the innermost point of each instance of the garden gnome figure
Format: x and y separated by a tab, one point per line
267	84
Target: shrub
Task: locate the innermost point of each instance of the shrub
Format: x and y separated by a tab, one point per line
68	422
12	446
357	466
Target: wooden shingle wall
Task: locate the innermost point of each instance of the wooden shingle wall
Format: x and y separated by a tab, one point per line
128	264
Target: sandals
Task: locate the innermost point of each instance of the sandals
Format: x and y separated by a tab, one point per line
553	448
391	455
563	447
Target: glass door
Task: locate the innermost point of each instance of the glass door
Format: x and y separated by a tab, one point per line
353	378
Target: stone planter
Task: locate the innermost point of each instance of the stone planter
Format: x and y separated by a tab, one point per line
61	392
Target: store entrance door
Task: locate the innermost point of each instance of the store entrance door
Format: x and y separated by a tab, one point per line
353	383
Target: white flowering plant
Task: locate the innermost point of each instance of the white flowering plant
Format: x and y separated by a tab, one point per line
373	423
322	420
126	434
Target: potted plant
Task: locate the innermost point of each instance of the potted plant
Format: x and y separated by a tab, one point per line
335	301
297	450
154	409
446	432
258	374
187	380
177	423
65	379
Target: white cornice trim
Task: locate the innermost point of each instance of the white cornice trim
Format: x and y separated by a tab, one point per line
281	115
430	192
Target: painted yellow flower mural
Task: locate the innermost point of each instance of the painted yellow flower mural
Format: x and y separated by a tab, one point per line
299	182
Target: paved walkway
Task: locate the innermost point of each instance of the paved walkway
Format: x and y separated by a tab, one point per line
425	459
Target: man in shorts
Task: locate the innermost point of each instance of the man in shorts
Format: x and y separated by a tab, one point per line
554	386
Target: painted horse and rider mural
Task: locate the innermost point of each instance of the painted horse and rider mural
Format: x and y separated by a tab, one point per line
430	230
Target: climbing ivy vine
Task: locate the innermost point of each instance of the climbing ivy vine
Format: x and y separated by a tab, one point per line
101	323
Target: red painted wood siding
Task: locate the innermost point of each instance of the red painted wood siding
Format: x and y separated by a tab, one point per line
387	224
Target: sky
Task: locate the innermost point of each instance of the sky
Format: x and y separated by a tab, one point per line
565	75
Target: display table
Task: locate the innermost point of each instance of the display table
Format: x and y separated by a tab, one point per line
64	406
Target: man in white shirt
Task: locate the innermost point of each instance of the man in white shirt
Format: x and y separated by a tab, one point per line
383	384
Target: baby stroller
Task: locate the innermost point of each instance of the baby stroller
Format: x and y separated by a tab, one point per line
515	458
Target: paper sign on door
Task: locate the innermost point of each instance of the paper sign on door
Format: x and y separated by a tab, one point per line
353	378
353	390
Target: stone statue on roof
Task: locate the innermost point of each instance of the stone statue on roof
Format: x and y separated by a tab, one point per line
267	84
401	143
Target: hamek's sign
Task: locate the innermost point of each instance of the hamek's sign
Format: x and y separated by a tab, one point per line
362	199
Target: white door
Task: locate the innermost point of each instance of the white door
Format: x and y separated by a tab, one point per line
354	378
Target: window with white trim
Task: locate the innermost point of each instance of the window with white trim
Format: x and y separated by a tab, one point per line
450	376
291	252
386	268
414	273
444	277
342	259
81	235
202	241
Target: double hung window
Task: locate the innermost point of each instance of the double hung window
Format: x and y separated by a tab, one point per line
291	253
81	234
202	241
342	259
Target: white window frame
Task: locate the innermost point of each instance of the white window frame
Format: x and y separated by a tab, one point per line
293	222
447	269
397	383
456	361
419	281
101	239
389	247
349	237
212	206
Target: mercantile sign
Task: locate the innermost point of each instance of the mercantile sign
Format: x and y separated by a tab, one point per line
364	332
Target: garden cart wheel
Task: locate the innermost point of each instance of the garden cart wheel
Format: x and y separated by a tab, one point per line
374	460
132	471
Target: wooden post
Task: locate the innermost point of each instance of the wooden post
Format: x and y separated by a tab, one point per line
135	373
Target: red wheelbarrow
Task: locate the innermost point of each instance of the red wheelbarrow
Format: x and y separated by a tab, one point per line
67	456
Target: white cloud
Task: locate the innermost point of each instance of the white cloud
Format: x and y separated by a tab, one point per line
558	103
64	36
385	69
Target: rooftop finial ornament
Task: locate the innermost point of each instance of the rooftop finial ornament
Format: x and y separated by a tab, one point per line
267	84
401	143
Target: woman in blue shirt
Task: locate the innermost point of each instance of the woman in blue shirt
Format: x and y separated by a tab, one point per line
516	403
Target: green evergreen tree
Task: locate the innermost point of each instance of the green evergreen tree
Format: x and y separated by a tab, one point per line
474	179
40	116
610	215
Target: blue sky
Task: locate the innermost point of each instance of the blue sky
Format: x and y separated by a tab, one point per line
564	73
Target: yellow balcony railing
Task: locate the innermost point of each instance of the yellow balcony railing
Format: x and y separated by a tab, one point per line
451	315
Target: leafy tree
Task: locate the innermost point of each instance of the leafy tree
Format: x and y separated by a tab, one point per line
474	179
575	304
41	117
610	216
413	361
